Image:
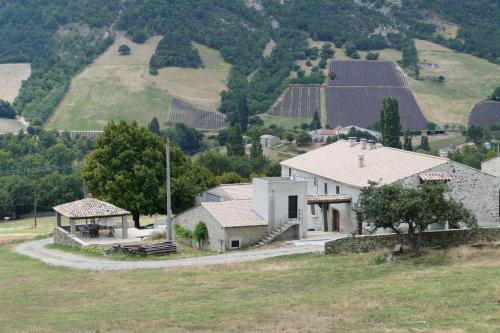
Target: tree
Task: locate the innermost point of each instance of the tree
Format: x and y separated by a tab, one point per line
256	148
372	56
187	138
200	233
234	144
243	113
6	110
154	126
407	145
390	123
424	143
396	207
303	138
495	96
316	122
124	49
332	76
431	126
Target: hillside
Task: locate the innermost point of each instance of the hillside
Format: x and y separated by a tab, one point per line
113	88
468	79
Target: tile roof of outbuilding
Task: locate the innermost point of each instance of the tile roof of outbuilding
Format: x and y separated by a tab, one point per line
339	162
235	213
89	208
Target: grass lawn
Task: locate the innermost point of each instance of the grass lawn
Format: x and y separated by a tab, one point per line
456	291
25	229
113	88
183	251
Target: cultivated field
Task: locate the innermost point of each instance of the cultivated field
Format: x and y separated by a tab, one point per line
113	88
11	126
196	116
197	85
448	291
11	78
468	80
285	122
485	113
361	106
355	73
298	101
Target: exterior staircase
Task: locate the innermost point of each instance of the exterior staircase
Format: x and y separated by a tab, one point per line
284	224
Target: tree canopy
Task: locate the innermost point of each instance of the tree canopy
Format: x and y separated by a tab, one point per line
6	110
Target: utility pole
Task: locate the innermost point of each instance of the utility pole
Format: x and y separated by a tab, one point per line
169	204
35	202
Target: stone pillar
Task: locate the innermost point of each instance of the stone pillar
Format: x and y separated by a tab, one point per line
72	227
58	219
124	227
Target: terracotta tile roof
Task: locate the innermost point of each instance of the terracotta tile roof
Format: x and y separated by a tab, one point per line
328	198
433	176
89	208
339	162
236	213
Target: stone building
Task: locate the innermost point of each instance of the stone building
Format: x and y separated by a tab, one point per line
491	166
336	173
270	208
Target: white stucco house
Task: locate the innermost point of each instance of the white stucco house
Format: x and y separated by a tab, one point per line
268	140
491	166
336	173
241	215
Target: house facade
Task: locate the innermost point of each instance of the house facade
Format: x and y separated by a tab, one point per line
275	210
336	173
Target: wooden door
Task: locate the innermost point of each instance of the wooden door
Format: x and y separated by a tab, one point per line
336	220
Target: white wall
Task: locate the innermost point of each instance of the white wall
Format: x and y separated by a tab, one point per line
491	166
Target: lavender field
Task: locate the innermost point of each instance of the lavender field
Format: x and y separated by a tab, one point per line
298	101
359	73
195	116
485	113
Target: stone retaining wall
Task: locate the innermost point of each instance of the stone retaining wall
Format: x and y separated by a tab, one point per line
441	238
63	237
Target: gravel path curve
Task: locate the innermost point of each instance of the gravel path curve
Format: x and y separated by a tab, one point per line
37	250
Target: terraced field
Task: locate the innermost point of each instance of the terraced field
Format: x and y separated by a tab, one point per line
10	126
485	113
298	101
11	78
195	116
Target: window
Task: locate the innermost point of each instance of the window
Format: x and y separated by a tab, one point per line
313	210
235	243
337	189
326	188
290	172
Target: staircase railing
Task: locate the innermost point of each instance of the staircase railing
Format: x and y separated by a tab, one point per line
284	220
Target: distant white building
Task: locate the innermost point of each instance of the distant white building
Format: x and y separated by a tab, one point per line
268	140
347	129
321	135
491	166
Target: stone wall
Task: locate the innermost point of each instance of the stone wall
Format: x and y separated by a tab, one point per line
291	234
444	238
62	237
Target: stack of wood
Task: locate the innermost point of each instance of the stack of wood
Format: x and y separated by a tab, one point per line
156	249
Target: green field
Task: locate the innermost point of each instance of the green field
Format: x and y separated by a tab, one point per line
286	122
454	291
113	88
467	80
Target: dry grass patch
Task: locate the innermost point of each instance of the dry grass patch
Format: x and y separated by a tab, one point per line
197	85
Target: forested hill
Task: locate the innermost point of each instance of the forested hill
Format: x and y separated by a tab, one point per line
61	37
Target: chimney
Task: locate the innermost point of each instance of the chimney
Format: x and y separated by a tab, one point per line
371	144
361	160
352	141
363	143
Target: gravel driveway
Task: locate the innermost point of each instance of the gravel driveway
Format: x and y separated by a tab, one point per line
37	250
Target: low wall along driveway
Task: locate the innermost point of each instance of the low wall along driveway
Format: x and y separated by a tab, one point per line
440	238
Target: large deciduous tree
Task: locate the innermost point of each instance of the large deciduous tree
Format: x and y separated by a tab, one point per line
127	168
397	208
390	123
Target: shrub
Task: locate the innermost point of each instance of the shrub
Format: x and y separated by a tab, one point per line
182	233
124	49
200	233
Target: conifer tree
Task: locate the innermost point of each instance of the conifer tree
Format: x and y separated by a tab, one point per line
234	144
407	145
316	122
390	123
256	148
243	113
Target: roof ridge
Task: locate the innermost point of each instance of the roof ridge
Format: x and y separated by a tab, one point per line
417	153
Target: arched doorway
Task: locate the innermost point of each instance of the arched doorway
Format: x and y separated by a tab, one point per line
335	220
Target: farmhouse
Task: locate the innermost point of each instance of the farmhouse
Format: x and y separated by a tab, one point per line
275	210
336	173
491	166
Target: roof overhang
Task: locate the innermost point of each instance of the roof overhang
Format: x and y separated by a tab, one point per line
328	198
435	176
